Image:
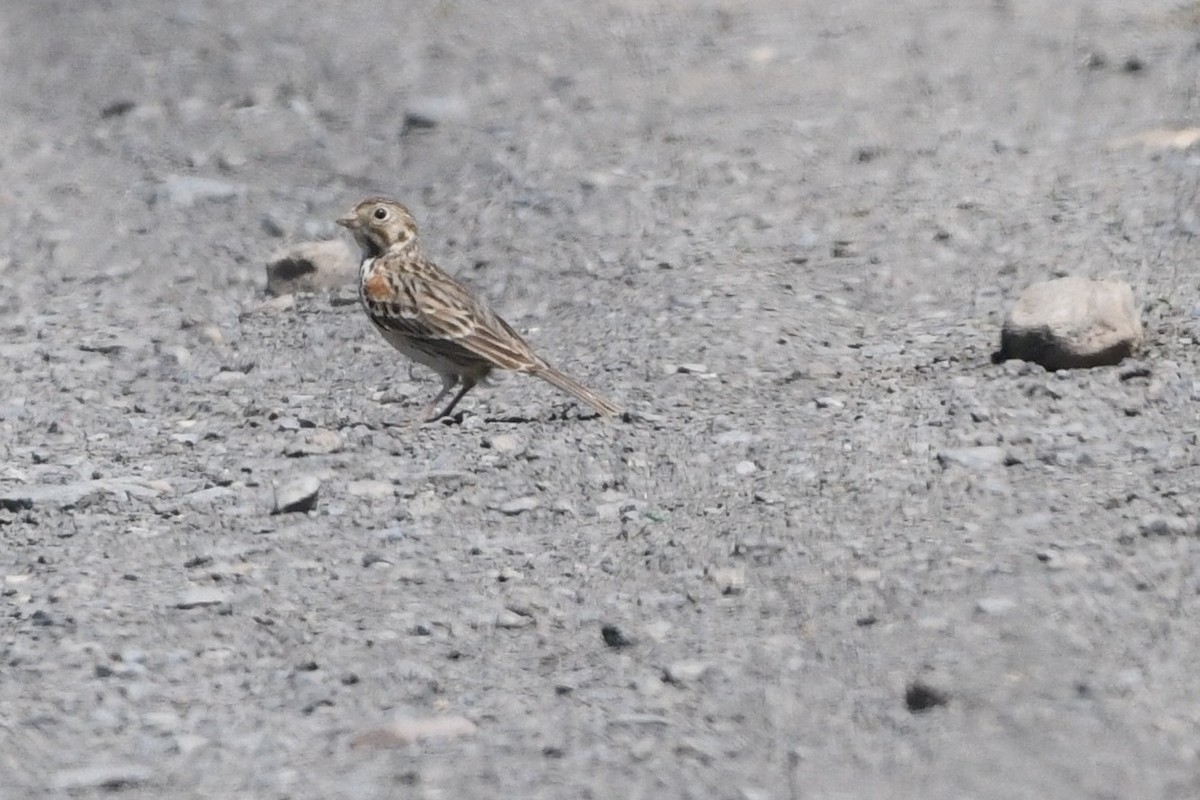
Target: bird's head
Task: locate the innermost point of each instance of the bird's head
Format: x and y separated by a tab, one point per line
380	225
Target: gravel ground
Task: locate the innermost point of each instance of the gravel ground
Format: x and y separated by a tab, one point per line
834	551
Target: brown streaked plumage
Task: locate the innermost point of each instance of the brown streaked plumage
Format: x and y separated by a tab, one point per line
435	320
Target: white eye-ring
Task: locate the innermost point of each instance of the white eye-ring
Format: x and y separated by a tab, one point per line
381	213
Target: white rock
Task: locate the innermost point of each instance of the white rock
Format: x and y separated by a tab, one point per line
507	618
275	305
200	596
995	606
658	630
429	112
205	497
974	458
426	504
691	369
865	575
685	672
187	743
1072	322
100	776
311	267
185	191
319	442
70	494
370	489
414	730
728	438
505	443
299	494
610	510
730	580
1165	525
518	505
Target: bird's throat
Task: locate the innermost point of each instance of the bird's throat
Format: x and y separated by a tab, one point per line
370	247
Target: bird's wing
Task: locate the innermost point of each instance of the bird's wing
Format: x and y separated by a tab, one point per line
433	307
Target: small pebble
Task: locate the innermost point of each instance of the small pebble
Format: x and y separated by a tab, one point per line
995	606
920	697
518	505
504	443
733	437
201	596
101	776
866	575
686	672
429	112
974	458
507	618
316	443
658	629
1165	525
184	191
187	743
614	637
298	495
371	489
406	732
730	580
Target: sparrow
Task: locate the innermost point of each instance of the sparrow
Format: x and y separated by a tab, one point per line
433	319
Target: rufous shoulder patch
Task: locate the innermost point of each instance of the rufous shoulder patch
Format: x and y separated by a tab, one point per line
377	288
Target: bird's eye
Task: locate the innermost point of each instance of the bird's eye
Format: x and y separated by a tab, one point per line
381	213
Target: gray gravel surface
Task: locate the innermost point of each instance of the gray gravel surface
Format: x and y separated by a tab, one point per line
834	551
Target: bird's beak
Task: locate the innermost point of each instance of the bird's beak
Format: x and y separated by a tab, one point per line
349	221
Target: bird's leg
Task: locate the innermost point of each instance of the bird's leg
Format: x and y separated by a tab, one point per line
427	414
467	385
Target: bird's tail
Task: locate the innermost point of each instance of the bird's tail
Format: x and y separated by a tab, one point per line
573	387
